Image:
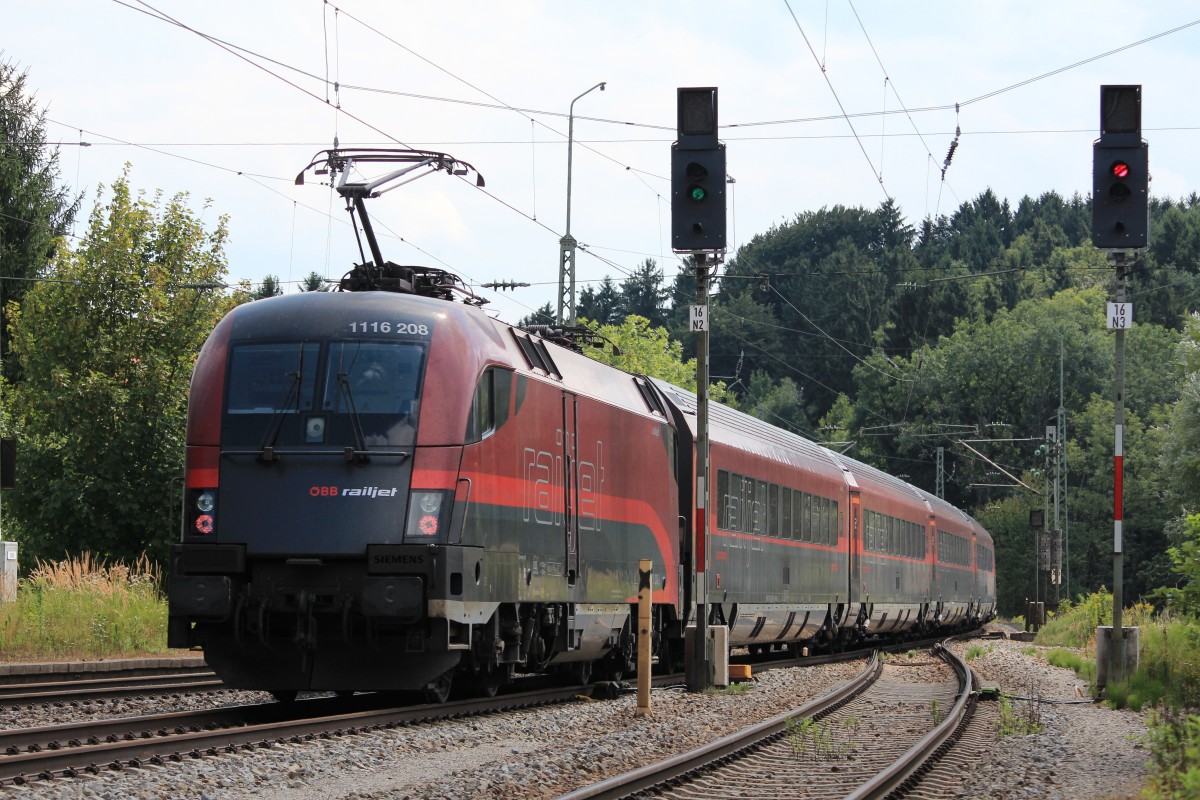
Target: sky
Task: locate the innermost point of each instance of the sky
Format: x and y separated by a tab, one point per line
821	103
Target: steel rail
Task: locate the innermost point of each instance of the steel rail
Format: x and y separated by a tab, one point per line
175	746
66	691
918	757
652	775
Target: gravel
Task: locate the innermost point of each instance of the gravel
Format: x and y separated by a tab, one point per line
34	715
1084	751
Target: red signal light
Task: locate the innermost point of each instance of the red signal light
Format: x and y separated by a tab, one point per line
1120	170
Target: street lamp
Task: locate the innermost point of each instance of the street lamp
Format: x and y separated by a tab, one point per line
566	245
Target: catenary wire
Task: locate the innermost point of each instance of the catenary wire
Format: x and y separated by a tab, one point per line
829	83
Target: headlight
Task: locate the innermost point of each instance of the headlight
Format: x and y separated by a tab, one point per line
427	516
200	512
206	502
430	502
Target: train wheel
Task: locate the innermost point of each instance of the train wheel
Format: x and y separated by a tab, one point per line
284	695
581	672
621	660
438	690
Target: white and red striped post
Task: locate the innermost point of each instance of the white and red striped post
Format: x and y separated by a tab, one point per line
1117	660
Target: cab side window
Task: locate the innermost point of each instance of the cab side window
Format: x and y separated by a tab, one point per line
490	405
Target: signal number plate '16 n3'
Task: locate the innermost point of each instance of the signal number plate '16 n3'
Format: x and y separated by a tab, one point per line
387	326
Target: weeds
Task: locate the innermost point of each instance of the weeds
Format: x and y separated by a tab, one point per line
1066	659
85	608
809	737
1168	670
732	688
935	711
1074	625
975	651
1014	722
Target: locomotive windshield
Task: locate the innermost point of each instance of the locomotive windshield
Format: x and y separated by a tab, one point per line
311	394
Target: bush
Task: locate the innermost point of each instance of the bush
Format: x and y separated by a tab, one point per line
1074	624
1175	756
1170	657
85	608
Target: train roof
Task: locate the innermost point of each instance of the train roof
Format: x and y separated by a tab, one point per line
748	432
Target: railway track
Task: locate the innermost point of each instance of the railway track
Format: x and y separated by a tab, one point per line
123	685
91	747
69	750
865	739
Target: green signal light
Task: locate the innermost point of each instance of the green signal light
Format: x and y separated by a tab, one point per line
697	193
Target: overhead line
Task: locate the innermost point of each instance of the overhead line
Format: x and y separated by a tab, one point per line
485	93
829	83
501	105
892	84
162	16
1054	72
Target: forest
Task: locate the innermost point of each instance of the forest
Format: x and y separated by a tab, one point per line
893	341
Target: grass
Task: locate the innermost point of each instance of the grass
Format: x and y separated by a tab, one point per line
1169	663
741	687
1012	722
823	739
1168	672
975	651
85	608
1074	624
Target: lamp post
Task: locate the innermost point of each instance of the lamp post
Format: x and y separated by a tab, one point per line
566	245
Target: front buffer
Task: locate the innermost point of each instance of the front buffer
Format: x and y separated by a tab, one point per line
320	624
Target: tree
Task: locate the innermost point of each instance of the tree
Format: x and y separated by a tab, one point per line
825	276
314	282
745	332
642	293
107	351
602	306
1182	452
1004	371
1185	561
542	316
1146	486
779	404
642	349
268	288
34	211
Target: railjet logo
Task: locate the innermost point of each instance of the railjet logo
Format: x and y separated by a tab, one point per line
365	491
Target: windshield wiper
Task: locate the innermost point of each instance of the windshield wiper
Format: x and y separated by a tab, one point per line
267	446
359	450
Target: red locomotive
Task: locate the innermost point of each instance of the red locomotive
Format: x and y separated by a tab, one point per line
386	489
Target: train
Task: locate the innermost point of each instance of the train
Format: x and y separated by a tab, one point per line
388	489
